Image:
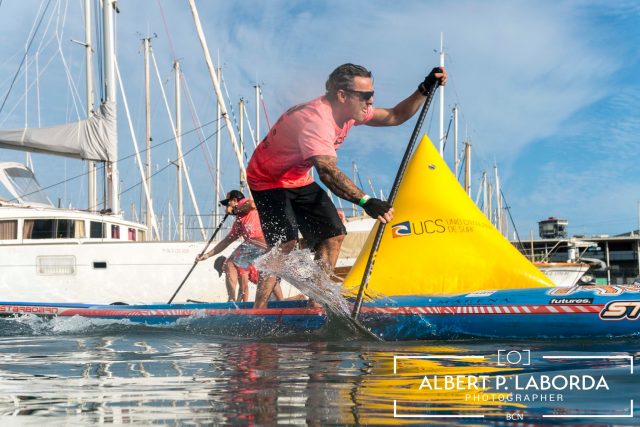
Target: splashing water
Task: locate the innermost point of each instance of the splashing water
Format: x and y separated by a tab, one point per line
30	324
300	269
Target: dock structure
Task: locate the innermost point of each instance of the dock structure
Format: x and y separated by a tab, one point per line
620	253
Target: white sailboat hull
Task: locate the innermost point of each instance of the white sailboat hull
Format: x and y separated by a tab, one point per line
107	272
563	273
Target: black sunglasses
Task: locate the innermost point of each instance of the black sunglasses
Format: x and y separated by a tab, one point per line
364	96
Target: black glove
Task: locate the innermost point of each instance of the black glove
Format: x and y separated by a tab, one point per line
376	207
429	81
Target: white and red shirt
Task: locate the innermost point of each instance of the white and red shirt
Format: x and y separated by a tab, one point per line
281	160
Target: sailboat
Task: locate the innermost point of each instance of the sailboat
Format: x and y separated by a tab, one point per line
49	253
442	271
572	271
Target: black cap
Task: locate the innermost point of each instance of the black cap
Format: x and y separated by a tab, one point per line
233	194
218	264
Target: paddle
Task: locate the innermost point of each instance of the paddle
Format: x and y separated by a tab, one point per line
201	253
394	191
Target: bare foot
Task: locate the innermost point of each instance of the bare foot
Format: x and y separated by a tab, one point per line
313	304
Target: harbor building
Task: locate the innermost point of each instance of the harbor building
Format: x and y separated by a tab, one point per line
614	259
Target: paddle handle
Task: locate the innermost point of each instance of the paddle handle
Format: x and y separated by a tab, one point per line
392	196
196	262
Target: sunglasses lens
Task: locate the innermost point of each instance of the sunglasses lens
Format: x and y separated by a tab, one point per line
364	96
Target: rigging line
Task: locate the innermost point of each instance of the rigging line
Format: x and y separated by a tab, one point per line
10	59
462	163
22	97
44	43
26	98
446	134
33	26
38	88
154	146
360	180
253	138
477	200
62	24
15	77
194	117
59	34
44	40
38	50
75	95
178	146
196	121
166	30
233	113
235	120
264	108
508	208
373	190
171	163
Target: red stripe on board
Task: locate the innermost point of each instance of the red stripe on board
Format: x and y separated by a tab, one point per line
489	309
92	312
405	310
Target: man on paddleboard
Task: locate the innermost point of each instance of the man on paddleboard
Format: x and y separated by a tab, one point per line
240	262
307	135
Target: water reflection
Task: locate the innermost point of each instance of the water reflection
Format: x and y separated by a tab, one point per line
249	387
148	375
423	381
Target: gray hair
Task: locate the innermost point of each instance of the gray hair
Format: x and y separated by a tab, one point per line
342	78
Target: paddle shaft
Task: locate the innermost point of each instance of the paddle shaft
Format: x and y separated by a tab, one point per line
392	196
213	236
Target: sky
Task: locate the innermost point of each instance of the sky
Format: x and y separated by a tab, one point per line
548	91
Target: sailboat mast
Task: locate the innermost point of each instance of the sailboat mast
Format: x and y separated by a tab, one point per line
485	196
110	95
456	159
241	135
441	139
185	172
467	167
179	155
218	153
489	206
257	86
216	87
92	192
147	103
498	201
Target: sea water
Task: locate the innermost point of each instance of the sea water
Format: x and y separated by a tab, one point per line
76	371
80	372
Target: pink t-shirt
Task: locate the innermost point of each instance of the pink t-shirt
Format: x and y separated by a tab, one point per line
247	225
281	160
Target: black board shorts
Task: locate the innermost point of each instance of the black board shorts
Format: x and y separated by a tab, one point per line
285	211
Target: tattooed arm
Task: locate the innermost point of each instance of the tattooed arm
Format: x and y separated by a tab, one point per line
336	180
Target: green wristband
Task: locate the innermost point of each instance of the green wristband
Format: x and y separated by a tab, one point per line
364	200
